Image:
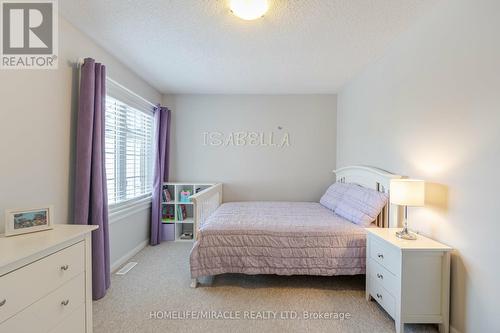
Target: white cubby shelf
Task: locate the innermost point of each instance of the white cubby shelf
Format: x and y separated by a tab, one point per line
170	210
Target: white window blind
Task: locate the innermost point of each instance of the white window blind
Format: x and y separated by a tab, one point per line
128	148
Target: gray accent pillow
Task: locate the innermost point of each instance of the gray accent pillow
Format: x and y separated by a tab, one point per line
333	195
361	205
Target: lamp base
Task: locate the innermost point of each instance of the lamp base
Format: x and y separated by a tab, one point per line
405	234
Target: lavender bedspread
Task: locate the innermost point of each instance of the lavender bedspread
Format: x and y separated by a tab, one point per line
284	238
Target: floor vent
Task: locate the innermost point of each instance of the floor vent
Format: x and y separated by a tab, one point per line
125	269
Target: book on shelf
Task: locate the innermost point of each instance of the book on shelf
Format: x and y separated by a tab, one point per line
181	212
166	195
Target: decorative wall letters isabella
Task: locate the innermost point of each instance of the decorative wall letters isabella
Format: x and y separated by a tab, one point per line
242	138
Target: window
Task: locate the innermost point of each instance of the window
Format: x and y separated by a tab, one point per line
128	146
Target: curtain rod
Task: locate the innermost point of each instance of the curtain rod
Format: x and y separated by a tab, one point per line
80	62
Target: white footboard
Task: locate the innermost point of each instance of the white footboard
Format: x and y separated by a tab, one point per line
204	204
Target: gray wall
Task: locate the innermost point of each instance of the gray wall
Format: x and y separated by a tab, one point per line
128	235
301	171
37	130
430	108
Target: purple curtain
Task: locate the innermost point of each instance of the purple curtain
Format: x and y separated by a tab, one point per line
91	199
162	153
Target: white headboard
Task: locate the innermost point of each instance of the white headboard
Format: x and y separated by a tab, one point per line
376	179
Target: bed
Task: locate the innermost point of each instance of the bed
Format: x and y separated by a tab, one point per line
284	238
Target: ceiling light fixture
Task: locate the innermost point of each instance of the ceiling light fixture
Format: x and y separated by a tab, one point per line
249	9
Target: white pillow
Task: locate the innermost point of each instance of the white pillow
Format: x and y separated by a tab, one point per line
361	205
333	195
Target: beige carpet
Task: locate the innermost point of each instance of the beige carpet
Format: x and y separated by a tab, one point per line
160	282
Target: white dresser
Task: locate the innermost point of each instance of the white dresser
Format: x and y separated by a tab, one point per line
409	279
46	281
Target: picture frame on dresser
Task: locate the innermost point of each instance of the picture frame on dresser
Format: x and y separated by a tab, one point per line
23	221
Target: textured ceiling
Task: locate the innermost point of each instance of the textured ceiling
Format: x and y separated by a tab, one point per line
197	46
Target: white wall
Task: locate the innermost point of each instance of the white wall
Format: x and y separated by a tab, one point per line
37	131
301	171
430	108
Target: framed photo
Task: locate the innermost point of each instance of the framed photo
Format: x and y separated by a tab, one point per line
22	221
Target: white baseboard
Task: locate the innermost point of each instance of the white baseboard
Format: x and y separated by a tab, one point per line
454	330
115	265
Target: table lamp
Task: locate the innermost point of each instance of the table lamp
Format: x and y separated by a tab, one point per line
407	192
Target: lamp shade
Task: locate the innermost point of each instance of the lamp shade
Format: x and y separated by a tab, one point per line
407	192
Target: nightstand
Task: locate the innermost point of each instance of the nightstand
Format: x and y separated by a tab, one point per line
410	279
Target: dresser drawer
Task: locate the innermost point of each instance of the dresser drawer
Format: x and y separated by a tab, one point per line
30	283
386	255
74	323
383	297
50	311
385	278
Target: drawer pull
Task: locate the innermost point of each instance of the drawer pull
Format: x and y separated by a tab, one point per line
2	303
64	267
379	296
65	302
380	276
380	255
